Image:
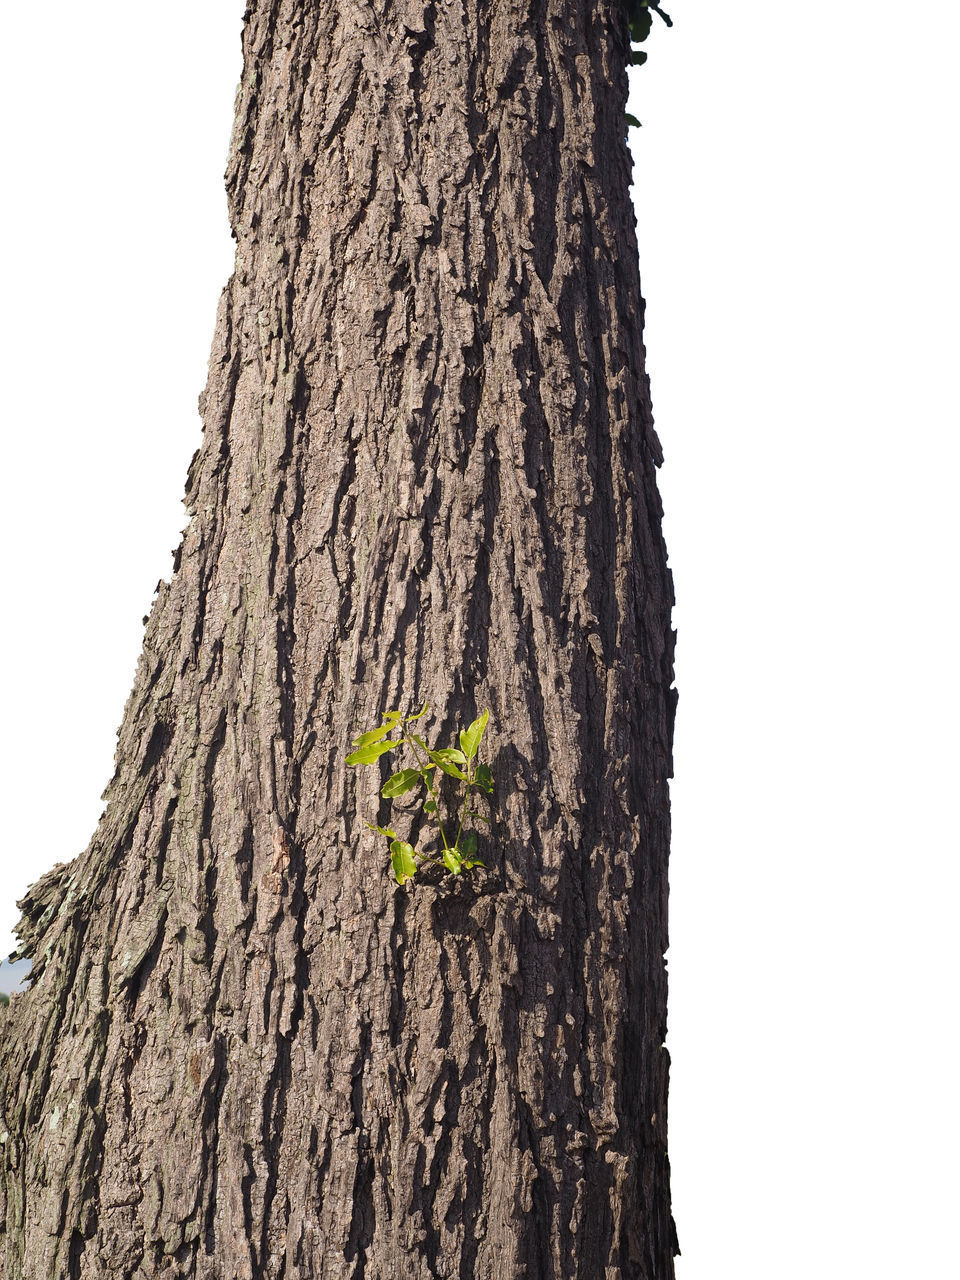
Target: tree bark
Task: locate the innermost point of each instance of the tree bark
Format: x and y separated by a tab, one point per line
427	472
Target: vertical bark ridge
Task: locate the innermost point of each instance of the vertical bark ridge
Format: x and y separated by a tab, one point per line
427	472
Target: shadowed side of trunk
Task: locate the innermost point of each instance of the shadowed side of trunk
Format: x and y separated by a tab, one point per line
427	472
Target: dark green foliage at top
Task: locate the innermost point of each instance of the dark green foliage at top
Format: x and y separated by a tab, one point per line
640	17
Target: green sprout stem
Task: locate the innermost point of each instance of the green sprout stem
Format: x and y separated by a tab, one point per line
471	772
427	769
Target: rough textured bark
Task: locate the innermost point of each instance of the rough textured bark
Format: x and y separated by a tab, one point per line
427	472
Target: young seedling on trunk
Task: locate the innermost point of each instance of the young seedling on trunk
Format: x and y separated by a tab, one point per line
461	763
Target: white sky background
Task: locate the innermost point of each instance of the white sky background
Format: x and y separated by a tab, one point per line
798	219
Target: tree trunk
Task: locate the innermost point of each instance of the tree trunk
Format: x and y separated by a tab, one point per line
427	472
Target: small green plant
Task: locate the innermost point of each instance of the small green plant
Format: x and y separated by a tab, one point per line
461	763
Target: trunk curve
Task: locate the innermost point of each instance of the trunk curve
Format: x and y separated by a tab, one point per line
427	472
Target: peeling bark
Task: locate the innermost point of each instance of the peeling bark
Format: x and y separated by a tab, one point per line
427	472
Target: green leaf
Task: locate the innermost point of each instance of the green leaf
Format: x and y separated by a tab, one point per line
373	736
470	738
430	806
452	770
393	716
632	120
368	755
473	862
660	13
384	831
640	26
442	763
638	57
402	855
449	753
468	845
421	712
400	783
420	742
452	861
484	778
